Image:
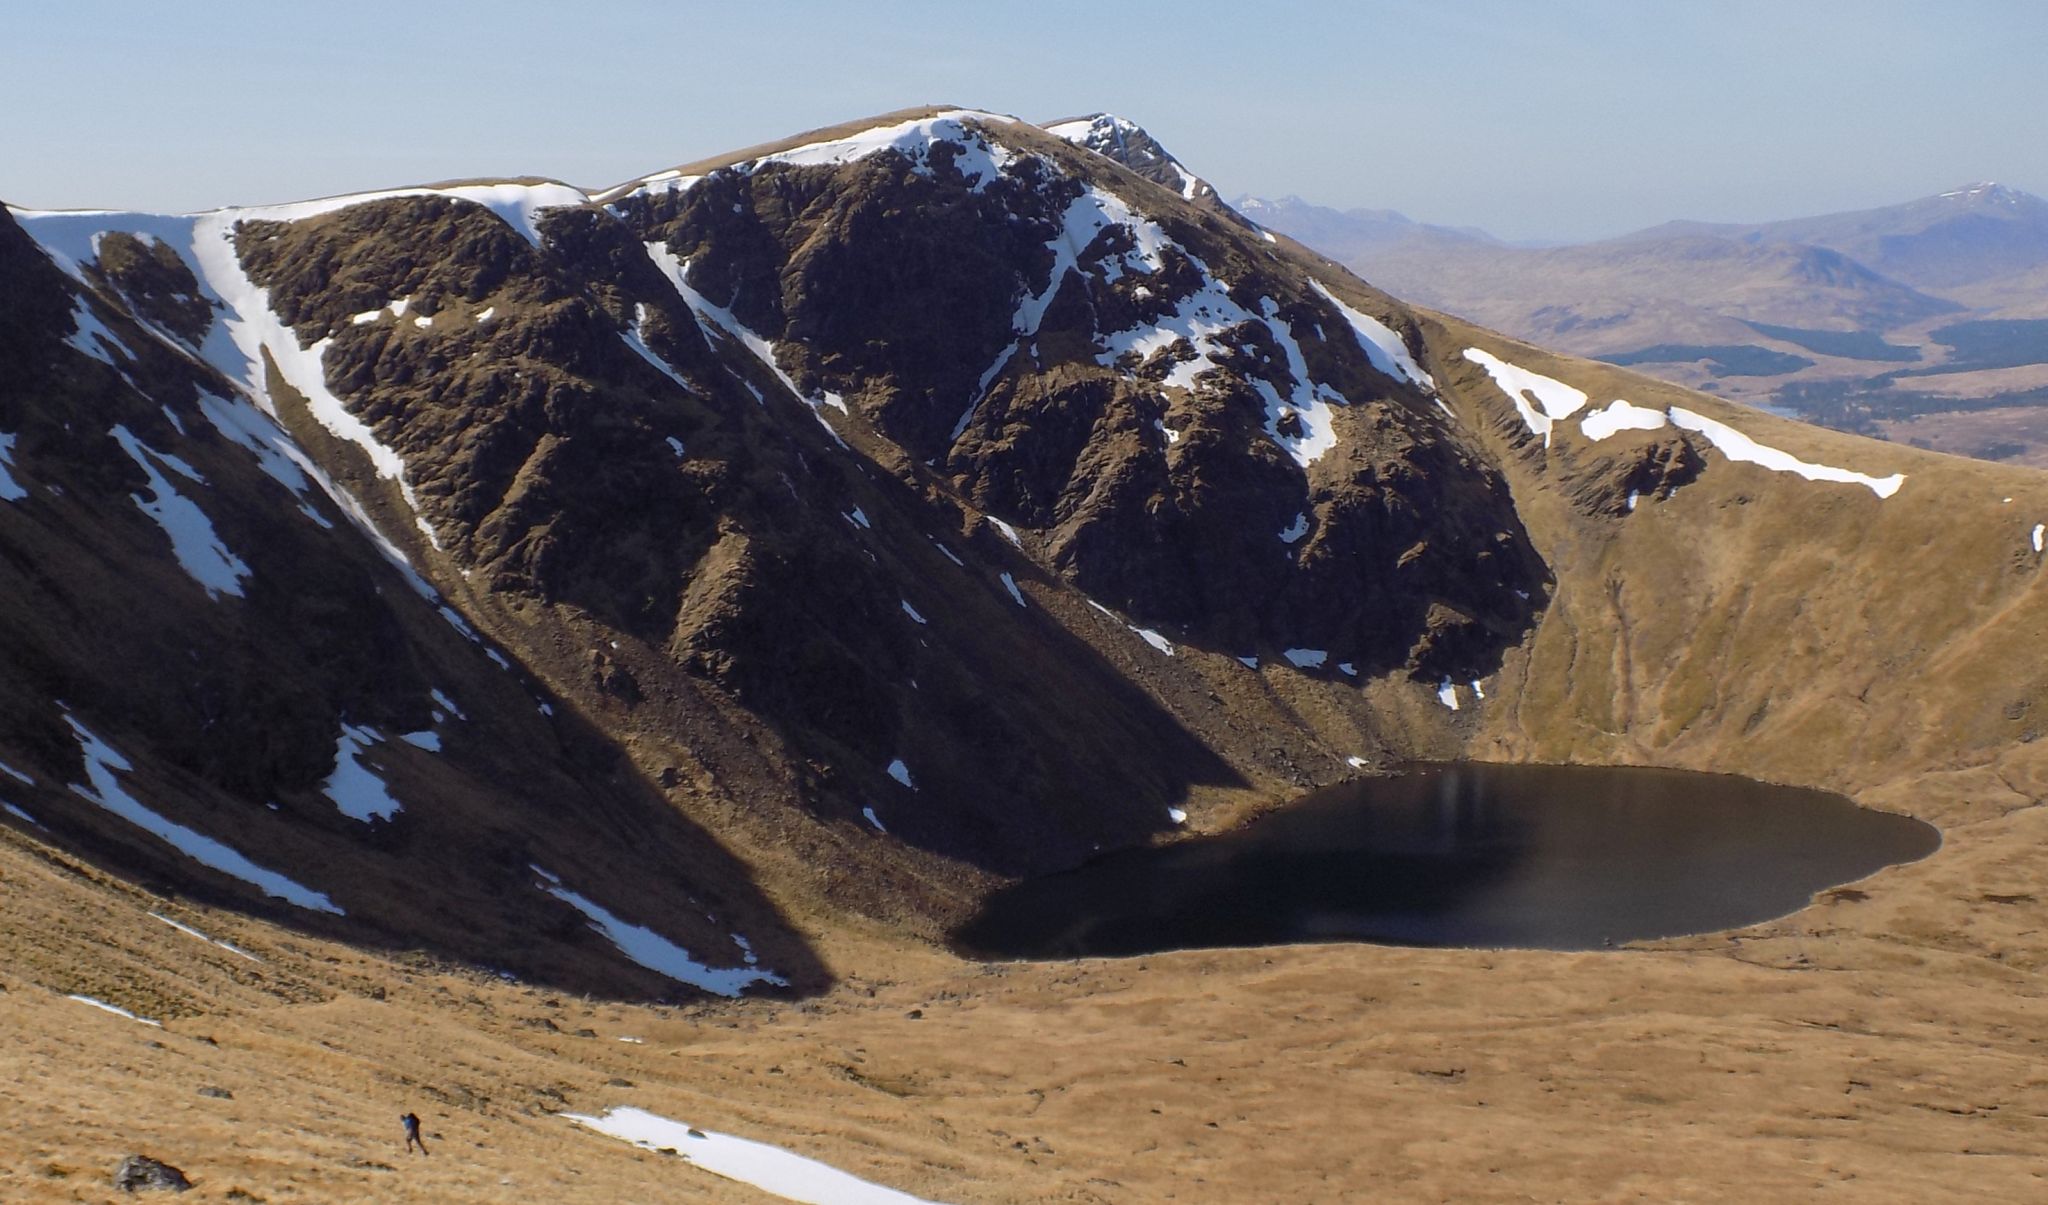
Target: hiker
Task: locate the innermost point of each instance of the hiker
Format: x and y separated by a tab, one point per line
411	1121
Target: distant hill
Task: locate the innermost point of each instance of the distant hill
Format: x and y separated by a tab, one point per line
1966	236
1348	232
1873	321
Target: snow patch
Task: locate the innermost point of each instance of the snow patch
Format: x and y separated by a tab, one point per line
978	160
769	1168
901	773
1621	415
1388	353
18	814
1009	532
93	338
1447	694
1010	584
1306	658
2040	531
723	321
912	611
635	337
17	775
193	542
1248	662
1177	815
10	489
655	952
857	517
1736	446
1296	529
1556	399
358	793
101	762
869	814
192	932
103	1006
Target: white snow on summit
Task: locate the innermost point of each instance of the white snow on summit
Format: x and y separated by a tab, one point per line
1105	132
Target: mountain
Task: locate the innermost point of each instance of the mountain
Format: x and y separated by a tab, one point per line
477	596
1350	233
1874	321
1965	236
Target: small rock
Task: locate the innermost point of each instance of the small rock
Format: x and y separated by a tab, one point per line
617	1082
216	1093
139	1173
915	1014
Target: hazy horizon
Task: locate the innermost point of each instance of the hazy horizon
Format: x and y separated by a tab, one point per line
1579	120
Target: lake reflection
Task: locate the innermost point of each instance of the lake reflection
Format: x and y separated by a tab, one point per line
1466	854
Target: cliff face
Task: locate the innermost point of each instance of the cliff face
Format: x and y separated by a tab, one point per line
828	528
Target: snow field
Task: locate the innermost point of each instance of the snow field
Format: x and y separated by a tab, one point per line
771	1169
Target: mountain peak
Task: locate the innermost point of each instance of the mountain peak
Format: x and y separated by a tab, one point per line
1984	192
1128	143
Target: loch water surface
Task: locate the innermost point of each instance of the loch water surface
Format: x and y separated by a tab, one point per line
1466	854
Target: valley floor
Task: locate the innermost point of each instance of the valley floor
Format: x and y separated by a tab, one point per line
1886	1044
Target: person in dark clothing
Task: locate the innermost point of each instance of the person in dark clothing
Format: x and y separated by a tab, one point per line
411	1121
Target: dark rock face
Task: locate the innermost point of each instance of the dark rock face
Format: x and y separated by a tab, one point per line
157	285
140	1173
909	292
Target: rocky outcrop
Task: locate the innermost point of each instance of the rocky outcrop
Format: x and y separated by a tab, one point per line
140	1173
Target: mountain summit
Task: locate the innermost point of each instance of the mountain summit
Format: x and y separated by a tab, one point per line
1127	143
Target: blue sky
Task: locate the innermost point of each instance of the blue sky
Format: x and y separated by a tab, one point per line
1566	119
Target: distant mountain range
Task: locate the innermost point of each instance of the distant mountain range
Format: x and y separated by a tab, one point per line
1924	322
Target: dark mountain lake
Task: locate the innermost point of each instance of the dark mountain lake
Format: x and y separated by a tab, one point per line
1466	854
